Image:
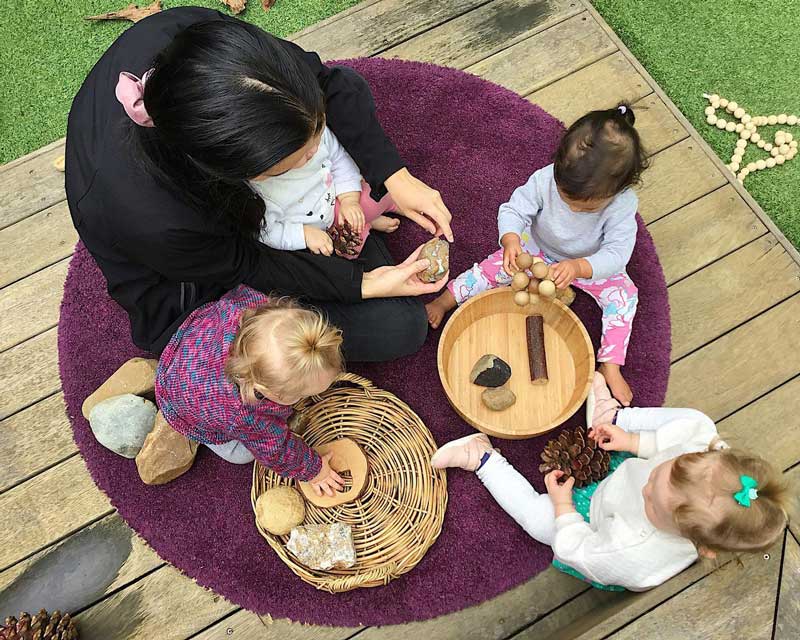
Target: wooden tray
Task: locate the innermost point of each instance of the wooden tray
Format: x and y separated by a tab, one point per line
492	323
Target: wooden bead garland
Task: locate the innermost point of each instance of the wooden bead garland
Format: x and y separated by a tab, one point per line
781	149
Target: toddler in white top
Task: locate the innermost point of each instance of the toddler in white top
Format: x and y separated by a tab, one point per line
322	189
685	493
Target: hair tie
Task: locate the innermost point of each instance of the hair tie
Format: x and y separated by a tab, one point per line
748	492
622	109
130	93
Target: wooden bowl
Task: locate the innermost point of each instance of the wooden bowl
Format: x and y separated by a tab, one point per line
491	323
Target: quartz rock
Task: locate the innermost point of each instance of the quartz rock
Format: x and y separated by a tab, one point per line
323	546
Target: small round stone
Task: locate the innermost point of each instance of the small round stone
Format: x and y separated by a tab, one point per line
745	135
761	144
714	98
731	126
711	119
779	159
731	106
772	120
767	146
770	162
755	137
734	166
746	118
721	122
782	118
751	166
715	104
780	138
785	149
741	143
738	113
792	120
775	151
709	111
750	126
739	127
761	165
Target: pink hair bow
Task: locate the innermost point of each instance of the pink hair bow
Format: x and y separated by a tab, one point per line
130	93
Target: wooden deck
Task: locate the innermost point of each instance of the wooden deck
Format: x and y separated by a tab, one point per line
733	286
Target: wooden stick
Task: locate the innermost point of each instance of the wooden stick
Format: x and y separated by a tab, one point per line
537	358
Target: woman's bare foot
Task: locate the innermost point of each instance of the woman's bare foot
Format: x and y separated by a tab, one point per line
385	224
439	307
616	383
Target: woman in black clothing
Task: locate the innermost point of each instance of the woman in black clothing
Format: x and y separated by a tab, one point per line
164	206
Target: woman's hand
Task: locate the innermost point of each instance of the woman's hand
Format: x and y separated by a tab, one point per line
560	494
400	280
418	202
610	437
327	481
564	272
351	211
512	247
317	240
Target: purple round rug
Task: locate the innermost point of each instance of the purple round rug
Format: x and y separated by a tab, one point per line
475	142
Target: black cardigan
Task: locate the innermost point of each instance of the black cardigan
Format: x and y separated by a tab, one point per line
162	258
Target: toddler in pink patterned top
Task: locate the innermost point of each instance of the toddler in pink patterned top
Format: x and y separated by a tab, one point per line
230	374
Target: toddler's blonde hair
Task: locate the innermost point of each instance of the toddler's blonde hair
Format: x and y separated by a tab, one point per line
708	514
279	346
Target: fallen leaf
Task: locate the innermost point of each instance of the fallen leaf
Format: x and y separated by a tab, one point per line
236	6
131	12
58	163
267	4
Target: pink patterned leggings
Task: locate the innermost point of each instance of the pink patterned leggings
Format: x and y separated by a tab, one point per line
617	297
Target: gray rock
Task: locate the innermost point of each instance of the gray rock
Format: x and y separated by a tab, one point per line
121	423
498	399
490	371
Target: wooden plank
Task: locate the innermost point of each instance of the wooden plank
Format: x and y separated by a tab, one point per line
793	478
54	504
787	620
548	56
600	86
732	602
29	372
741	365
33	440
246	625
380	26
79	571
30	184
164	604
36	242
493	619
31	305
677	176
472	37
729	292
657	127
703	231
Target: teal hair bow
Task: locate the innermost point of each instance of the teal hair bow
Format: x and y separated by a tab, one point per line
749	491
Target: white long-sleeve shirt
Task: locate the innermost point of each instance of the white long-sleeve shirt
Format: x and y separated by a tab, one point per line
306	196
605	238
619	545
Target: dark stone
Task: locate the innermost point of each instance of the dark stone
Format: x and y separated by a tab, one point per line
490	371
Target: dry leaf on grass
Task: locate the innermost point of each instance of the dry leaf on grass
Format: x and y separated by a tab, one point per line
267	4
131	12
236	6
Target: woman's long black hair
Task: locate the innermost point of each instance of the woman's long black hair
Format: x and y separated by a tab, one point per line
228	102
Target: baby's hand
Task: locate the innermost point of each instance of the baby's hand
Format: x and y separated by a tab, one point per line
317	240
560	494
327	481
351	211
512	247
610	437
563	273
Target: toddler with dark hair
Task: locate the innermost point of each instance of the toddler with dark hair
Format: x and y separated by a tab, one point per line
579	215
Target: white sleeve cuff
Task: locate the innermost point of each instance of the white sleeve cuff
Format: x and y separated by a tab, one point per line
647	444
567	519
347	186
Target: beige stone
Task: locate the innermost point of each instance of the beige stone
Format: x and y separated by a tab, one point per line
136	376
165	455
280	509
498	399
437	251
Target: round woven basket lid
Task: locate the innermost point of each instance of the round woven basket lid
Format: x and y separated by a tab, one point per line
399	514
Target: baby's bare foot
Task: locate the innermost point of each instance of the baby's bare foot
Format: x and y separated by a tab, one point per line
616	383
435	311
385	224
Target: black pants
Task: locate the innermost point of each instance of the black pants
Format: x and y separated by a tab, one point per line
378	329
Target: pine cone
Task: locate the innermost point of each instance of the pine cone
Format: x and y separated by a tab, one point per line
39	627
345	239
577	455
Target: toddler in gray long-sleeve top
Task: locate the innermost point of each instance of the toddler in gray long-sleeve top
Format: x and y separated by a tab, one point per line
579	215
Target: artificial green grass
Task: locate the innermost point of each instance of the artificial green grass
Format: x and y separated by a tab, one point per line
744	50
47	48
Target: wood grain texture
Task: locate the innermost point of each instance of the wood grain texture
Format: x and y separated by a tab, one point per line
730	291
78	571
30	184
703	231
547	56
793	478
486	30
28	372
31	305
732	602
380	26
740	366
246	625
55	503
36	242
34	439
787	620
677	176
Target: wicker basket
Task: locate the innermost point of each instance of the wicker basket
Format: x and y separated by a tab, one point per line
400	513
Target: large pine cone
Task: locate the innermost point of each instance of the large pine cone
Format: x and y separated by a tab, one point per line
577	455
42	626
345	239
